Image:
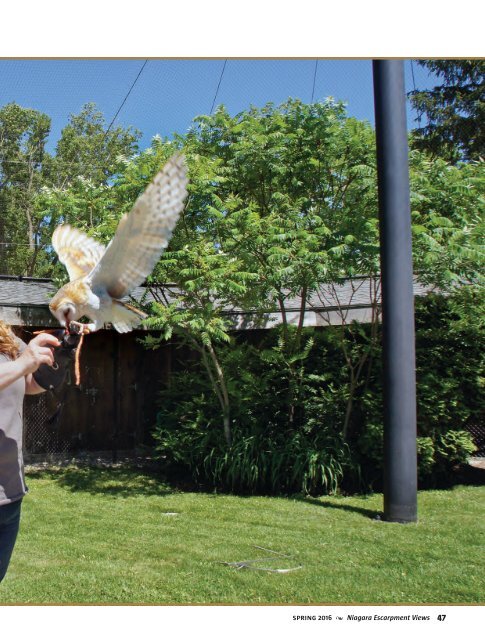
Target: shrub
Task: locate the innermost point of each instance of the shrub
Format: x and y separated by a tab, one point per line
258	463
274	452
426	453
453	448
268	454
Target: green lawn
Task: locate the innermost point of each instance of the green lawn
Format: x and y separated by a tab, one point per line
118	535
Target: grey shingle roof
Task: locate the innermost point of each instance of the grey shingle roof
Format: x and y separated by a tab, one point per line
25	291
25	300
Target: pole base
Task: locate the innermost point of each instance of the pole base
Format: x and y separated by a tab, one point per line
401	514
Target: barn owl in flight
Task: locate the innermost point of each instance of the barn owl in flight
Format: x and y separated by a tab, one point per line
100	276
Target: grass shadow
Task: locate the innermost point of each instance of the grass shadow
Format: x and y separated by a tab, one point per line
116	482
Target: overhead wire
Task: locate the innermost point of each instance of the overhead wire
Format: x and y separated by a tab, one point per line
125	98
218	86
24	244
107	130
419	114
314	80
68	163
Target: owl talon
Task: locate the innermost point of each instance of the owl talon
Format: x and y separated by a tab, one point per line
78	327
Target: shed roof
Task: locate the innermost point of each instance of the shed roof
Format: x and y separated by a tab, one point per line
24	302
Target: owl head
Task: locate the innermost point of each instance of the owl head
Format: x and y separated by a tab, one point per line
63	308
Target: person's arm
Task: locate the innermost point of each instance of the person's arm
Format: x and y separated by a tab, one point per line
11	371
36	353
31	386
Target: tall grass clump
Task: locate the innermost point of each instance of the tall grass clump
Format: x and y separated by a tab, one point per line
269	453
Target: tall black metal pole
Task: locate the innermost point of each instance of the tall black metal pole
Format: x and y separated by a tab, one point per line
400	463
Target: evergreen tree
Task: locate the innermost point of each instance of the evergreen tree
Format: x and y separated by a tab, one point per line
454	110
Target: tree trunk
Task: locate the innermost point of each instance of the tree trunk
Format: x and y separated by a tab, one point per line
220	388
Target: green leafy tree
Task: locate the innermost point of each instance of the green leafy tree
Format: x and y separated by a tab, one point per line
449	377
24	167
283	179
83	204
75	185
195	280
39	191
86	148
447	209
283	206
454	111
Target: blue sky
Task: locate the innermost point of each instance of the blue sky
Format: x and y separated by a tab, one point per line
170	93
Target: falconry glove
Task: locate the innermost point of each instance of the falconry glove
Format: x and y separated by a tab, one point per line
50	378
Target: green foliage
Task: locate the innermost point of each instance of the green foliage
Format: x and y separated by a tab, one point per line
454	111
282	200
25	167
39	191
267	453
259	464
284	179
86	148
447	209
426	456
449	361
450	390
270	453
438	456
453	448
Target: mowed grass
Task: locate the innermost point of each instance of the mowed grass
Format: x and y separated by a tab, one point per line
120	536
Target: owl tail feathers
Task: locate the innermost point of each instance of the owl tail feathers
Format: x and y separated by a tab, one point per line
124	317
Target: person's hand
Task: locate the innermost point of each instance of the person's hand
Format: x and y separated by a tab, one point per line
39	351
51	377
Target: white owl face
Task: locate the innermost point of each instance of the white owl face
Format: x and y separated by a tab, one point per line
64	311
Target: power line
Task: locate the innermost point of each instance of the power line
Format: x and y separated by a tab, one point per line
64	162
25	244
126	98
219	84
106	132
414	90
314	79
110	124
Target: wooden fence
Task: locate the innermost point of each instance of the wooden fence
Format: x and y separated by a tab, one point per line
113	409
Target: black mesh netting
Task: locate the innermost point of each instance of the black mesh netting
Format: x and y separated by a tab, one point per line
41	426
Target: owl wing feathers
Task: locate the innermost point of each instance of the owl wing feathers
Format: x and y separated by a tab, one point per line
144	233
78	252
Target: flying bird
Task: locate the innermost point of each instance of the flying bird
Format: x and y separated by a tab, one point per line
100	276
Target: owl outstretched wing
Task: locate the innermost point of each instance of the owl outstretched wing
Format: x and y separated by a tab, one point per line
144	233
78	252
